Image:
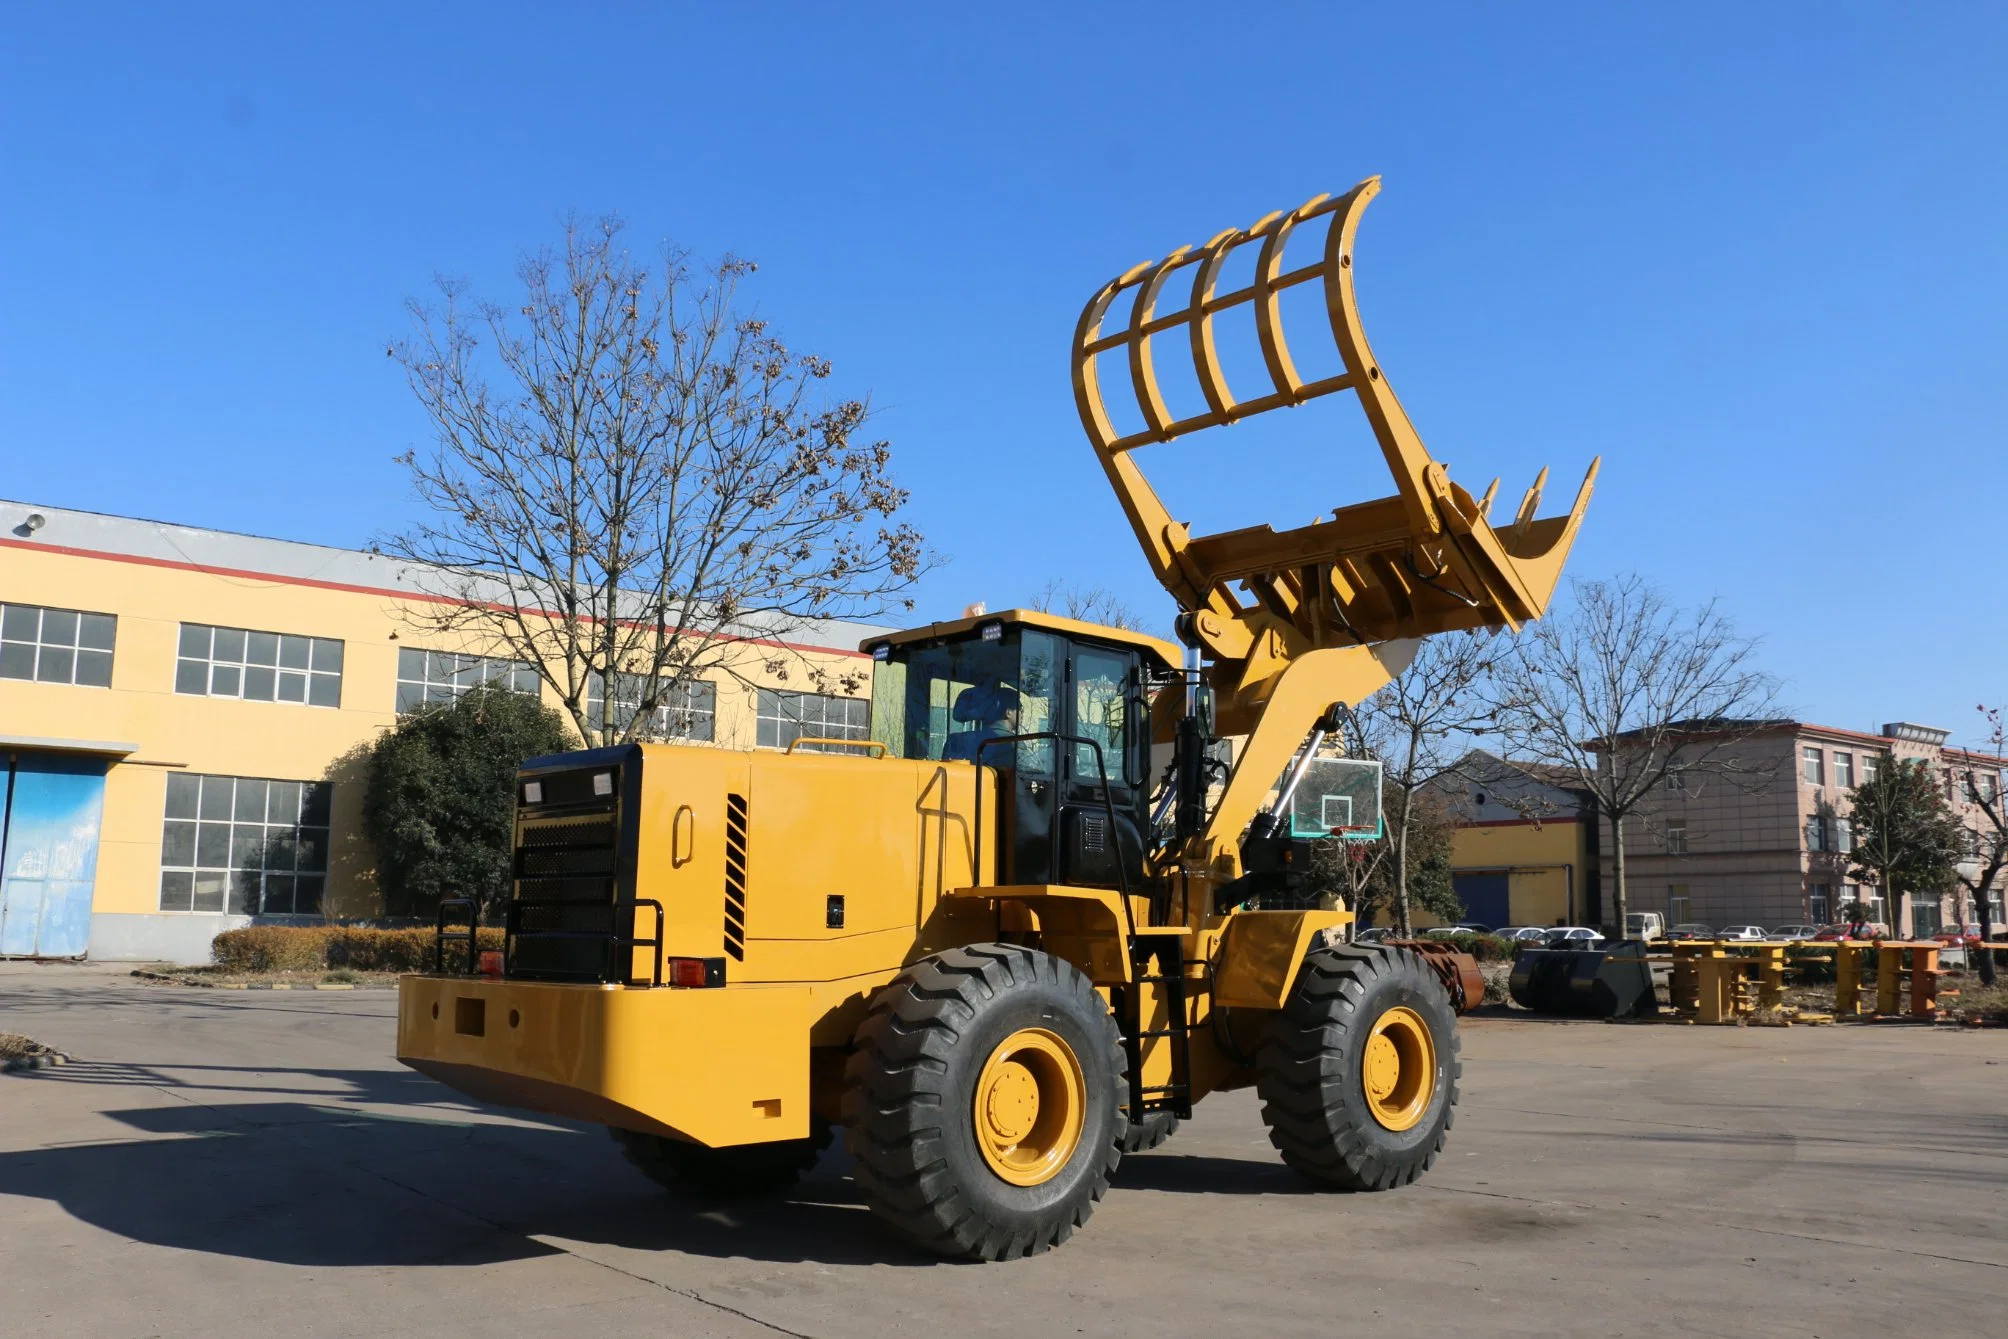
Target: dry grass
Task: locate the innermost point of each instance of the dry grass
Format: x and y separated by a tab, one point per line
14	1046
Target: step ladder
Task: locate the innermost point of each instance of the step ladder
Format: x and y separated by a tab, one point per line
1158	959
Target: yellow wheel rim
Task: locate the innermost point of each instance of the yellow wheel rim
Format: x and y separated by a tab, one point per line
1399	1068
1031	1102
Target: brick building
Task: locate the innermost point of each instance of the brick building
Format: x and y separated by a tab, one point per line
1771	846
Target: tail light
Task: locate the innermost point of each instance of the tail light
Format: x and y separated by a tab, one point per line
693	973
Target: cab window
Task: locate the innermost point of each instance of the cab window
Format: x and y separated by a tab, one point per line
1101	686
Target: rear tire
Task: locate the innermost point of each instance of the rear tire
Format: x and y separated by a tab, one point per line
741	1171
1150	1132
984	1102
1359	1076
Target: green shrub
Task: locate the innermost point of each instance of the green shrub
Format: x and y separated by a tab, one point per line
1484	948
271	948
441	803
400	950
311	948
1810	967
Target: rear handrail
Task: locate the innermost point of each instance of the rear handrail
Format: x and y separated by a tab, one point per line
611	938
440	933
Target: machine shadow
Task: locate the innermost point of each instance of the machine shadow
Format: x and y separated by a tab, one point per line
324	1184
1205	1174
386	1168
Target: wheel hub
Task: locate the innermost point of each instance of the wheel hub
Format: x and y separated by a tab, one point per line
1398	1068
1012	1104
1030	1106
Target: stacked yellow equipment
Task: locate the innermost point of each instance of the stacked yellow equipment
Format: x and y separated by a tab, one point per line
985	944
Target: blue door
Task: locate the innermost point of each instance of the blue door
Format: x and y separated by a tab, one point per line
1484	898
49	854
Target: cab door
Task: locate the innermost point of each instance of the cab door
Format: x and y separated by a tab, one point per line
1100	702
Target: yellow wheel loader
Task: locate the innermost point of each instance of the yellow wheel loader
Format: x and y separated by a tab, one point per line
997	945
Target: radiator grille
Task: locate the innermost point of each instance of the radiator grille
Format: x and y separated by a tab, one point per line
735	876
563	919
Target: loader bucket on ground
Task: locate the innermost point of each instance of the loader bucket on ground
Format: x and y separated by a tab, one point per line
1425	560
1611	982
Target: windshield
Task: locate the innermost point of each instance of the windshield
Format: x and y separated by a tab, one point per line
942	702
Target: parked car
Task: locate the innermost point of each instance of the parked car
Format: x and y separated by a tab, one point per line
1691	930
1471	928
1959	936
1572	936
1519	933
1744	933
1372	935
1443	932
1789	932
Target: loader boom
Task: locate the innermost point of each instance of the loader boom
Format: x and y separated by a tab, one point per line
1293	621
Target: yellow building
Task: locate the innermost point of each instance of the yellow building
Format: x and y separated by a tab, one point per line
1525	847
184	714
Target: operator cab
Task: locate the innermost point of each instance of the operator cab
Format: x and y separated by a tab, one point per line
964	691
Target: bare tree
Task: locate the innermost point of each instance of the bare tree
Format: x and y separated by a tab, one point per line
1420	726
1090	604
635	485
1987	839
1623	689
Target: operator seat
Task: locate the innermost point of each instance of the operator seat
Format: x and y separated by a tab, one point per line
992	708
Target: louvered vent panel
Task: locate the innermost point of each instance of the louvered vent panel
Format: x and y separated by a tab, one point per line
735	876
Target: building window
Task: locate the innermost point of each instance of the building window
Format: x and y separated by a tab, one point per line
1676	836
244	845
56	645
685	711
1816	832
259	666
1971	844
1678	904
787	717
1821	903
1844	770
442	676
1871	767
1814	765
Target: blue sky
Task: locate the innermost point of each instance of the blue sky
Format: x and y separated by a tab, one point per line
1753	255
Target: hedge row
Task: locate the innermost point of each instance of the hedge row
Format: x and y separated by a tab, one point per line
312	948
1484	948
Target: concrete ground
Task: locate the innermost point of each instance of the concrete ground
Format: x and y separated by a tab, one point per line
224	1164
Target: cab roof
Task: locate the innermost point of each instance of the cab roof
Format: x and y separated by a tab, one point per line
1163	654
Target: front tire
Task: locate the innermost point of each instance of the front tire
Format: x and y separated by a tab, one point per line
984	1102
1359	1076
